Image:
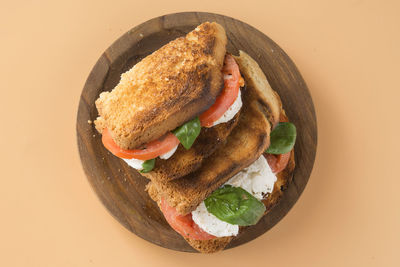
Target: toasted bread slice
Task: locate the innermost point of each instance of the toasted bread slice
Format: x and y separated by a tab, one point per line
167	88
185	161
255	77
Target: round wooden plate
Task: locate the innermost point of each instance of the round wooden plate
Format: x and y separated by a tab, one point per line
122	189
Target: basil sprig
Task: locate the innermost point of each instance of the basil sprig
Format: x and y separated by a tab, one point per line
148	165
235	205
188	132
282	139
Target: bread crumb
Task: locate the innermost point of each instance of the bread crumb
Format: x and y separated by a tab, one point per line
89	121
141	34
241	82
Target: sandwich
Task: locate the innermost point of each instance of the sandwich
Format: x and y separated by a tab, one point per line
207	130
165	115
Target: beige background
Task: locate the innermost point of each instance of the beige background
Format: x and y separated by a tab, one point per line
348	53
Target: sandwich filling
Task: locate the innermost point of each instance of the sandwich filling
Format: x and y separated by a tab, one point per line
226	106
138	164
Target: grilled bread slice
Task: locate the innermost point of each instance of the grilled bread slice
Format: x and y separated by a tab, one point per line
167	88
185	161
255	78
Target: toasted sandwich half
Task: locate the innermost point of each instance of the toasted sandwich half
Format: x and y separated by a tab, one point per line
175	107
208	131
241	181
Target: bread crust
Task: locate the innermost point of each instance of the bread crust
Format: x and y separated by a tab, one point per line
255	77
167	88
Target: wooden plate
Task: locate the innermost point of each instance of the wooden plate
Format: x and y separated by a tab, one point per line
120	188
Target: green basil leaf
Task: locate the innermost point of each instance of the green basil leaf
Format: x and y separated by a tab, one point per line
148	165
282	139
188	132
235	205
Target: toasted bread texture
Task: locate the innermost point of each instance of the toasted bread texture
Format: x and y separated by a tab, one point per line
219	167
185	161
210	246
255	77
167	88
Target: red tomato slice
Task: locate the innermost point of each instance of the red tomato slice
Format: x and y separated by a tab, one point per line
228	95
152	149
278	162
184	225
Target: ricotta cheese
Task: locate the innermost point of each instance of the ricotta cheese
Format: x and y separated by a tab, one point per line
169	153
257	179
231	112
211	224
134	163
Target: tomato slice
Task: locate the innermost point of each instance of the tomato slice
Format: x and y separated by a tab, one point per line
184	225
152	149
228	95
278	162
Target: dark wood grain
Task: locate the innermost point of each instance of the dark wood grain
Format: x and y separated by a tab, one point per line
121	189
